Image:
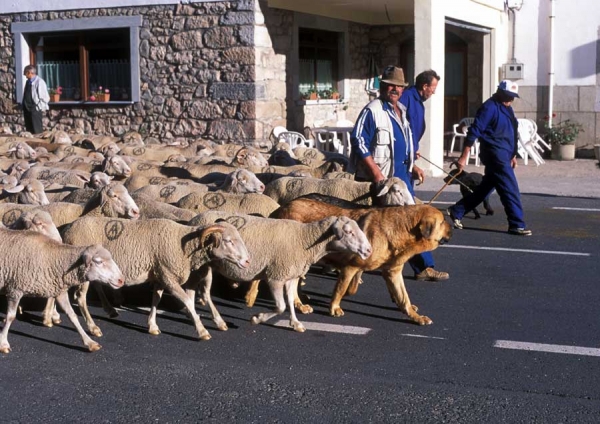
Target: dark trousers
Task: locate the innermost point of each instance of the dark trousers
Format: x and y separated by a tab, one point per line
500	176
33	121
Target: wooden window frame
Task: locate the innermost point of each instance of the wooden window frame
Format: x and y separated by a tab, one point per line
24	54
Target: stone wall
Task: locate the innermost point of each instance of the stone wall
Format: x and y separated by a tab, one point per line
576	103
197	67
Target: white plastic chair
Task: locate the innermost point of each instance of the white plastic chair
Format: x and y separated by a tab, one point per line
341	140
528	142
295	139
277	131
456	134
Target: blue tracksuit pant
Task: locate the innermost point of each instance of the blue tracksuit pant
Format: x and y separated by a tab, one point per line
500	176
419	262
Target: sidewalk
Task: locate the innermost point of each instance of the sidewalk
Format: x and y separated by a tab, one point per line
578	178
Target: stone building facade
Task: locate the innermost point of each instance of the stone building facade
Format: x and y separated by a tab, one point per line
197	74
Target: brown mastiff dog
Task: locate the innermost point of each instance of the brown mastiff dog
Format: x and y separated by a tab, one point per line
396	233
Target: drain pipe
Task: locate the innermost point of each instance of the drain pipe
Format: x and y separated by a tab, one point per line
551	73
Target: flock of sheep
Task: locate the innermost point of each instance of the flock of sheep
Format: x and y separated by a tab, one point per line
118	212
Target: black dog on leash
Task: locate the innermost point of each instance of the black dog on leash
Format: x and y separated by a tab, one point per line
470	180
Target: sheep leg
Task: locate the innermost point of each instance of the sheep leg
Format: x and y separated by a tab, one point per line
50	314
395	284
156	296
63	302
81	296
347	274
291	288
276	288
108	308
11	314
206	281
252	293
178	292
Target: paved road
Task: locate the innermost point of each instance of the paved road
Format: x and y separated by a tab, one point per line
504	291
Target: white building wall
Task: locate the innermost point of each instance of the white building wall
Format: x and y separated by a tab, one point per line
576	34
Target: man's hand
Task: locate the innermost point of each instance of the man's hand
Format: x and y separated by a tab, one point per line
513	162
464	158
418	174
418	155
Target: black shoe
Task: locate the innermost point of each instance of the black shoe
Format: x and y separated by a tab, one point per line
455	221
519	231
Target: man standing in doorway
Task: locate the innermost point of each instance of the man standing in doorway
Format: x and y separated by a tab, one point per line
382	147
35	100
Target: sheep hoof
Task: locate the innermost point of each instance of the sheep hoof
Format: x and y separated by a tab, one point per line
93	347
299	328
255	320
154	331
5	349
336	312
200	302
222	327
56	320
113	313
48	324
205	337
95	330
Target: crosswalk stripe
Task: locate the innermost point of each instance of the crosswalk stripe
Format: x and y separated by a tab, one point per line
577	209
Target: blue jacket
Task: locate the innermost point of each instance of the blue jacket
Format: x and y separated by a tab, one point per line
495	126
415	113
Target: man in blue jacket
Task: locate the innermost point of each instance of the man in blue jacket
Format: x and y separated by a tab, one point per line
495	127
414	98
382	147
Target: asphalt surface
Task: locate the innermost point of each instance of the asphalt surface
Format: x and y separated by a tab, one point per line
503	289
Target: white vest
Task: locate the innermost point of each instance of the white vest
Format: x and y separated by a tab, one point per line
383	153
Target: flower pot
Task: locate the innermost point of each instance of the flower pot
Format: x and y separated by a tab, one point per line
106	97
335	96
313	96
54	98
563	151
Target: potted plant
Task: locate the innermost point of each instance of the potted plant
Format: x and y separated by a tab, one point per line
313	94
562	137
100	95
335	94
55	94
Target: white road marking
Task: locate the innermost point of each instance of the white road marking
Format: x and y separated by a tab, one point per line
423	337
508	249
552	348
443	203
331	328
577	209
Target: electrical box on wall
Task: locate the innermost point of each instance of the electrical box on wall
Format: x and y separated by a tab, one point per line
513	71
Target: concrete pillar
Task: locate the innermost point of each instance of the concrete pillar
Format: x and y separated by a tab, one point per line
430	41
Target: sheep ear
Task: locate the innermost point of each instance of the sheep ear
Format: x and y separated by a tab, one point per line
83	178
427	227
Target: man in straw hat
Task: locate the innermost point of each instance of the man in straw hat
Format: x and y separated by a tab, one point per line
495	126
382	147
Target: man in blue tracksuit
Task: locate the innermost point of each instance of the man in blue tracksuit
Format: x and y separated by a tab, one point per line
414	98
495	127
382	147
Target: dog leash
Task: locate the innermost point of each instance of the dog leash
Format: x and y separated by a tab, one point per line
447	173
452	177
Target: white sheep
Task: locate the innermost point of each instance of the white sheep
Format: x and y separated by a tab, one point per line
172	192
251	203
152	209
112	200
392	191
27	192
282	251
56	268
165	253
